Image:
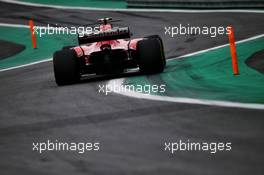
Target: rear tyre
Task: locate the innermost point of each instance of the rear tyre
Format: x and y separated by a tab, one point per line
66	67
162	46
150	55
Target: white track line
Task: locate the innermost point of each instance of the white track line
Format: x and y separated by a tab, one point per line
13	25
27	26
26	65
217	47
131	9
119	82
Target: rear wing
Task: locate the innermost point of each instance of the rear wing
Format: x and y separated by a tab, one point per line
112	34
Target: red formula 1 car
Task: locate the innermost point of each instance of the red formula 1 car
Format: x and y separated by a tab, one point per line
108	51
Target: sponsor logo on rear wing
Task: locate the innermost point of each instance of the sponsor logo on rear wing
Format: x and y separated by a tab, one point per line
115	33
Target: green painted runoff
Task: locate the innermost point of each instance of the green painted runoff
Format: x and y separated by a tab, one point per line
209	76
83	3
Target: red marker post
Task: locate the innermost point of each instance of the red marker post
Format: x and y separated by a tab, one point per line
231	37
33	38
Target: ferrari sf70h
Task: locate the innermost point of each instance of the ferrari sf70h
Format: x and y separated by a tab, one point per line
110	50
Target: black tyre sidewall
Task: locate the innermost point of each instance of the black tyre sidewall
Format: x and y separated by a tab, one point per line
66	67
162	46
150	55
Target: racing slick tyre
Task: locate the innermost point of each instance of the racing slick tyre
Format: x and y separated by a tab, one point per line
66	67
161	42
150	55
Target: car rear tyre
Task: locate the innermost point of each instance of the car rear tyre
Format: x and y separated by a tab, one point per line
66	67
162	46
151	56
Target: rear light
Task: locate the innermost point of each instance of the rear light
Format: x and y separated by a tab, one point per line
105	47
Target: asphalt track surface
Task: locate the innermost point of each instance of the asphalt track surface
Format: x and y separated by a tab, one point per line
256	61
131	131
9	49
